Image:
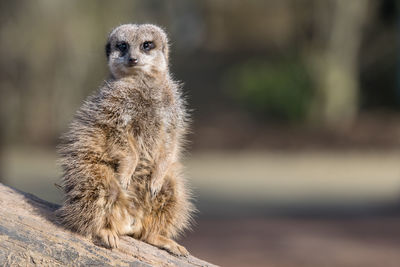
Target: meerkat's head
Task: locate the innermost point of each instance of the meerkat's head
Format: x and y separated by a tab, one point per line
133	48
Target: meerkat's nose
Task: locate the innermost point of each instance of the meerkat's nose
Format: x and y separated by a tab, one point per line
132	61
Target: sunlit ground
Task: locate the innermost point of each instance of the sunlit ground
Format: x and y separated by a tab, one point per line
279	208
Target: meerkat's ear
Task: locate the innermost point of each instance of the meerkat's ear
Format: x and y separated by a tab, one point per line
165	50
108	49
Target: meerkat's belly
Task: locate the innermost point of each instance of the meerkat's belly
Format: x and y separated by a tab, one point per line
152	135
145	207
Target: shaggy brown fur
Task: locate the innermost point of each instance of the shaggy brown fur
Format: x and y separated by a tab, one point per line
120	158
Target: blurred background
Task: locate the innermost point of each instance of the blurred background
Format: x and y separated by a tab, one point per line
295	151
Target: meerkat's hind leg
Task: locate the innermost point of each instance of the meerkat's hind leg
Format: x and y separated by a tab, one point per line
167	244
117	220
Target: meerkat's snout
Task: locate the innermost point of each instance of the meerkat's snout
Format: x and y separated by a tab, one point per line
132	61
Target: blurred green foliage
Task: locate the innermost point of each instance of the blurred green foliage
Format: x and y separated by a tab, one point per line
279	89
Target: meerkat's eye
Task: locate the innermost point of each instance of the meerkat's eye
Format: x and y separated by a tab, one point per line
148	45
122	46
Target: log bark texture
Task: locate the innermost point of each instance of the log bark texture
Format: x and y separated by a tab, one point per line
31	236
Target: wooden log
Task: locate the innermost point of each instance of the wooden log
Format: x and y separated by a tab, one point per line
30	236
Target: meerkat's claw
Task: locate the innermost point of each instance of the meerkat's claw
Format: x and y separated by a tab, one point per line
109	238
155	187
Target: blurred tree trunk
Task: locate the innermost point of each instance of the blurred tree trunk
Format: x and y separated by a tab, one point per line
335	68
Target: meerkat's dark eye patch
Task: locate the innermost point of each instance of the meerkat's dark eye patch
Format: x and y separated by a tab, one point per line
122	47
148	45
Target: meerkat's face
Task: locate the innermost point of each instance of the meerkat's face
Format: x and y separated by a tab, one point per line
133	48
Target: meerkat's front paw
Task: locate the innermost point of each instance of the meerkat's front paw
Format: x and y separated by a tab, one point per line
109	238
155	187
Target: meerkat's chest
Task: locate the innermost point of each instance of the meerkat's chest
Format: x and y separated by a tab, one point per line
153	118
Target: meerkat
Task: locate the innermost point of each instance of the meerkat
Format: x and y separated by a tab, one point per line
121	155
